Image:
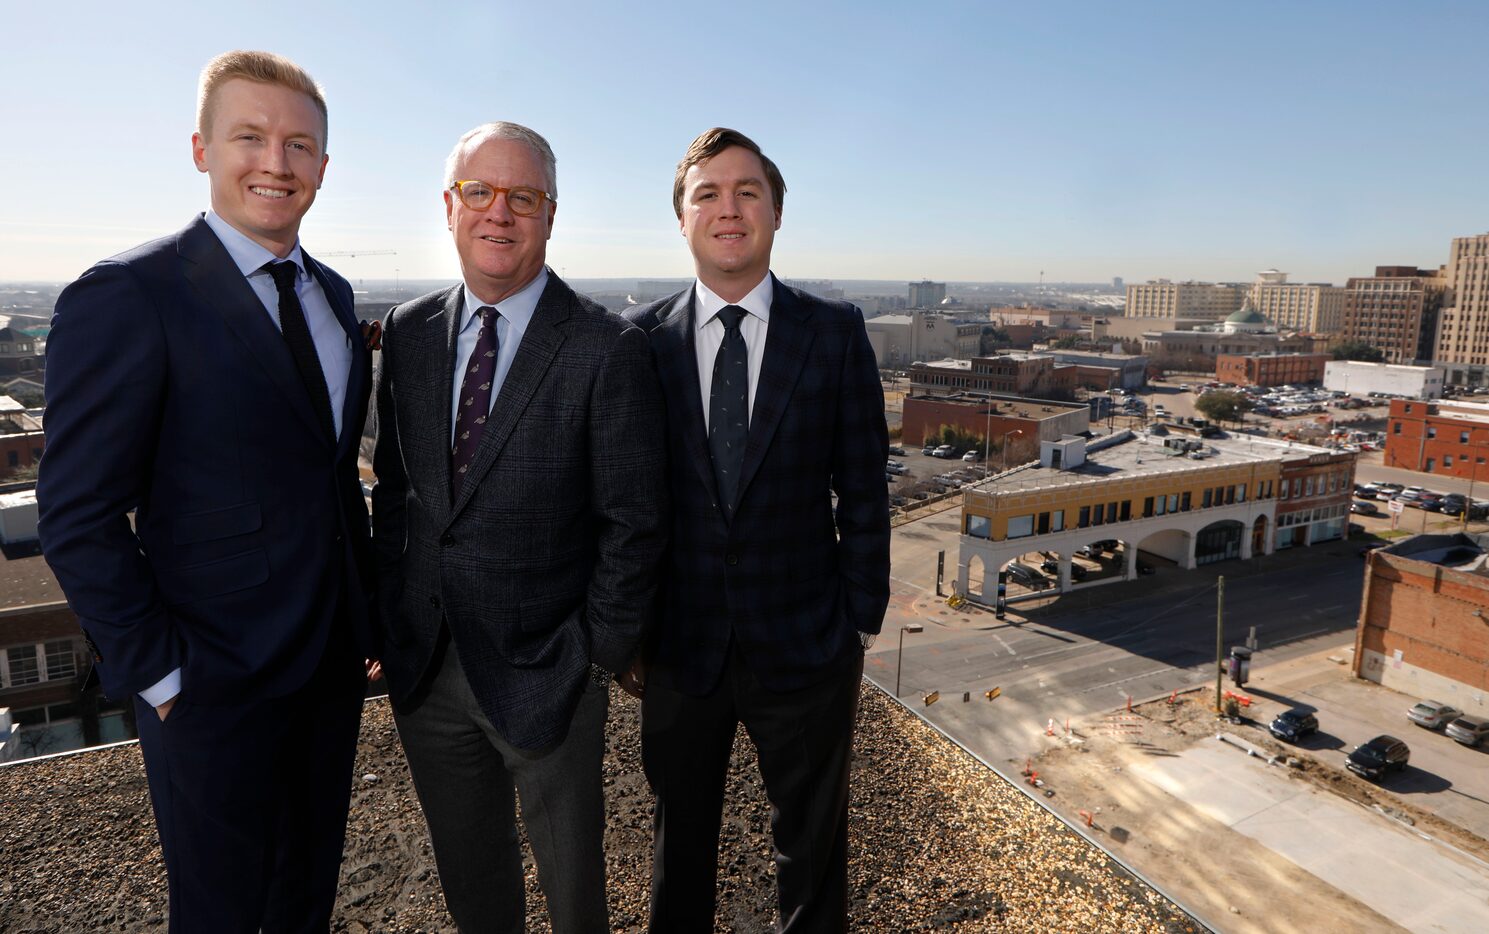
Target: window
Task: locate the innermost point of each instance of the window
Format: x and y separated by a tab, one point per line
1096	515
1173	502
1148	508
1308	487
1462	437
1297	487
1240	492
979	527
1447	460
60	661
1126	509
1044	523
1021	526
1083	518
1432	431
1431	462
22	665
1111	512
1230	495
1057	521
1395	428
1205	503
1184	502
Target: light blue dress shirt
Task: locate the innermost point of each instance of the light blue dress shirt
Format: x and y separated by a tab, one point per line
513	314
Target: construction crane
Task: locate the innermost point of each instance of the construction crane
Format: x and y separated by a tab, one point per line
353	254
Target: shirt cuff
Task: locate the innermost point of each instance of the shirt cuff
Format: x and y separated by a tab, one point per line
162	690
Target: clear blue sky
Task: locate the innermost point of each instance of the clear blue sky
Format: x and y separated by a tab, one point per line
963	141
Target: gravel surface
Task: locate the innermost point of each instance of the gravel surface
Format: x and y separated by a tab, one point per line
939	842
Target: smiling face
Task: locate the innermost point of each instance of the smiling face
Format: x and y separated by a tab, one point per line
263	154
500	252
729	219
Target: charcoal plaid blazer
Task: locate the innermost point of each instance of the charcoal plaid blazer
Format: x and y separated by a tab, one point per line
791	578
546	560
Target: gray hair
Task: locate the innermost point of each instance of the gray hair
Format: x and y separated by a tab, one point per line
501	129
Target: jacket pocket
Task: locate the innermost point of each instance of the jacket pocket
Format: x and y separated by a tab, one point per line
214	578
214	524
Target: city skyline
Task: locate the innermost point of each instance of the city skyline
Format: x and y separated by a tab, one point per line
978	143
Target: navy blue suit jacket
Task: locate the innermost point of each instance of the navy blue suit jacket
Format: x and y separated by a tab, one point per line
171	393
793	577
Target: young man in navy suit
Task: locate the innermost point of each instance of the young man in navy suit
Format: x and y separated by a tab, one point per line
215	383
771	592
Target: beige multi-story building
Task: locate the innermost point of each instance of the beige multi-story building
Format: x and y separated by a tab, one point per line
1205	301
1309	308
1395	310
1463	331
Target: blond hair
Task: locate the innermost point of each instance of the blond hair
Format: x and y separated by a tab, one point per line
263	67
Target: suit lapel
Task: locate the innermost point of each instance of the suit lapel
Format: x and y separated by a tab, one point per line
540	344
677	367
221	286
788	341
452	309
360	371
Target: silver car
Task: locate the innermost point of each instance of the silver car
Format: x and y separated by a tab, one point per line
1434	715
1468	730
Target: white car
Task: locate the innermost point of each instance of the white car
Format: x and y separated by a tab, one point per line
1434	715
970	457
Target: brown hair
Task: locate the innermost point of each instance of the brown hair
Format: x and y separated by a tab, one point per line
263	67
714	141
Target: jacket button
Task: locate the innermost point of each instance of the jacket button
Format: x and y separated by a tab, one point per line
731	559
447	540
434	602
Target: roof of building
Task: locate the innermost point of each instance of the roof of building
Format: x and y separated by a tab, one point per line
1457	551
891	319
1008	406
1129	454
1247	315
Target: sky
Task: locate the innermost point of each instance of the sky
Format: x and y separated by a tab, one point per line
979	141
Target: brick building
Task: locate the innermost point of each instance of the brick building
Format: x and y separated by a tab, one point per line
1449	438
1270	369
1396	311
991	414
1019	373
1313	496
1424	620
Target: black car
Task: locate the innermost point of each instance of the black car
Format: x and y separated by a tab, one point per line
1374	759
1052	566
1293	725
1364	509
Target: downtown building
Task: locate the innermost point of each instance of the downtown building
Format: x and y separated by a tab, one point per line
1206	302
1449	438
1396	311
1308	308
926	294
1463	332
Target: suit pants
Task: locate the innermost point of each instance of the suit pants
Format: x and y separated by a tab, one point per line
466	774
804	741
251	802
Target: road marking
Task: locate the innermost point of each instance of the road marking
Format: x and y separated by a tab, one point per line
900	580
1004	644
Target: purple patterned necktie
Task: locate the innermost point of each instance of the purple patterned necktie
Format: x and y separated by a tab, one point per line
475	399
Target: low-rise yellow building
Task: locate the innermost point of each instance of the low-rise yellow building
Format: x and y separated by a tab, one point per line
1176	496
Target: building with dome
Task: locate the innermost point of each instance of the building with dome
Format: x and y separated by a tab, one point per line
1246	332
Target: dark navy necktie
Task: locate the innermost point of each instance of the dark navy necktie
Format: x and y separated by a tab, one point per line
729	407
475	399
296	333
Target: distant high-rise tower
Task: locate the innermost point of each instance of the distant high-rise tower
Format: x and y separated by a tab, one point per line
926	294
1463	335
1116	282
1395	310
1203	301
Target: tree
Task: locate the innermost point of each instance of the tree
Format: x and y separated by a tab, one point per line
1359	351
1223	405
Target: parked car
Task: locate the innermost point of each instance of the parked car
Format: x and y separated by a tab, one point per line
1374	759
971	457
1052	566
1470	731
1434	715
929	450
896	467
1026	576
897	450
1292	725
1364	509
944	450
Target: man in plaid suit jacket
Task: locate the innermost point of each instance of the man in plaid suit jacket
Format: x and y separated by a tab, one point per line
771	592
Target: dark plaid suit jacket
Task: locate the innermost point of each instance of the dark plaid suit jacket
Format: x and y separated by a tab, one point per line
547	558
791	578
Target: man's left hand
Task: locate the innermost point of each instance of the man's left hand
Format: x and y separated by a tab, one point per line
866	639
374	669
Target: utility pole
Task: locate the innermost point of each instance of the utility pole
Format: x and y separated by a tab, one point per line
1219	636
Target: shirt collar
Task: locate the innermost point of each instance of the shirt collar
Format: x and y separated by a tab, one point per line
518	308
707	302
247	255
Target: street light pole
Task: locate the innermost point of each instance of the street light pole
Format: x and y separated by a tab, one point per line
899	662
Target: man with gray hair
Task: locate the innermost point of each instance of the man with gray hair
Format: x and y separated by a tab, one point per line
517	522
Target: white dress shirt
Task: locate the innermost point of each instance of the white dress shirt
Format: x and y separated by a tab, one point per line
708	333
513	314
